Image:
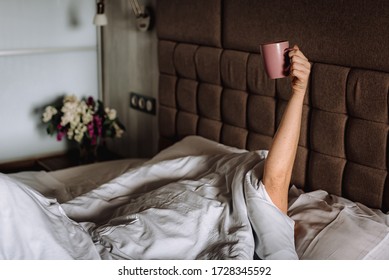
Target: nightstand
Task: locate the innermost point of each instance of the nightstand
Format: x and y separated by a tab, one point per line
57	162
71	159
19	166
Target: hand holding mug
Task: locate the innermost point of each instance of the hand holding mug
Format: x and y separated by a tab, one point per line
299	69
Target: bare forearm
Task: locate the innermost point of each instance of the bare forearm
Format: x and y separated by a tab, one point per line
279	163
282	153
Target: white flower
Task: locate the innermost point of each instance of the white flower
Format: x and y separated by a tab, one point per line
118	131
74	121
79	132
87	118
111	113
48	114
70	134
70	99
87	114
75	111
78	137
68	117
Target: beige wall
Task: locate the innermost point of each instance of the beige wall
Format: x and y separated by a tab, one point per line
130	65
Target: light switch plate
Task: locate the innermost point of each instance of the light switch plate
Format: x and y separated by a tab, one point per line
143	103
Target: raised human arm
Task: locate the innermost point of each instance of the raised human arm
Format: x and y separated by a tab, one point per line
282	153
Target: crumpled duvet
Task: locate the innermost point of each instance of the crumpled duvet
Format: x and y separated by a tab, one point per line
194	207
35	227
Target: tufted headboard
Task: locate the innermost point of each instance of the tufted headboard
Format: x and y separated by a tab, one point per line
212	83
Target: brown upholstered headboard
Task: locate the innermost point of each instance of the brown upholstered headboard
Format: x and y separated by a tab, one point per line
212	83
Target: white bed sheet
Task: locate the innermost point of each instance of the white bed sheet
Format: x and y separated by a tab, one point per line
193	207
332	227
71	182
35	227
68	183
327	226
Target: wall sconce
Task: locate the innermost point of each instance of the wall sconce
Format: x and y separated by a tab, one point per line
100	18
142	16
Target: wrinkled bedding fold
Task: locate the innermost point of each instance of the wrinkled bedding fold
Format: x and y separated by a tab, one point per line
193	207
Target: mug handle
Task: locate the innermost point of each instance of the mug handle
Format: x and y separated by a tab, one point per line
287	61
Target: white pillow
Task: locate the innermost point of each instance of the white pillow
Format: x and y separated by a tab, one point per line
332	227
191	146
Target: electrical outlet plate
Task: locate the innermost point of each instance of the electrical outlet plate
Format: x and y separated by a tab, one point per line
143	103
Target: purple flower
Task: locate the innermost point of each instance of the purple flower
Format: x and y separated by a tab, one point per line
94	140
99	126
60	134
90	101
91	129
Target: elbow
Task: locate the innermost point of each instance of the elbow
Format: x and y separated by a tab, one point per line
276	178
276	182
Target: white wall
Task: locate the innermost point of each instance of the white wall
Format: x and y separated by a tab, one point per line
47	49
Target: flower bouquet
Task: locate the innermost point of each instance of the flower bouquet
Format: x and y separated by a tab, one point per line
85	121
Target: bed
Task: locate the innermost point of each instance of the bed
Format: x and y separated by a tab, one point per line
217	115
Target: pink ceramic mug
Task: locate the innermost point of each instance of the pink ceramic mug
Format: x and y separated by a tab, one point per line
275	58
